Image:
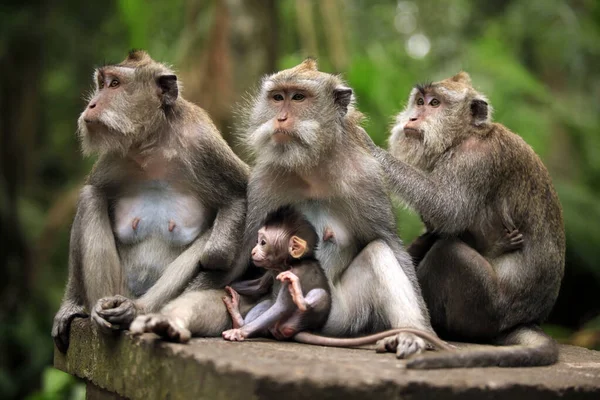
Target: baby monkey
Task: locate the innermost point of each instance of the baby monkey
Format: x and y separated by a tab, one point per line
300	295
301	299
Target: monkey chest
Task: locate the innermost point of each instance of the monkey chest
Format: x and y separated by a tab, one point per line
157	211
338	244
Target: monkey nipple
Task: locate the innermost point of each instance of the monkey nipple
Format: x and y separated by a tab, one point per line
172	225
135	223
328	235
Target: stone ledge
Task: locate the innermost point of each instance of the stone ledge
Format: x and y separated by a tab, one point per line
211	368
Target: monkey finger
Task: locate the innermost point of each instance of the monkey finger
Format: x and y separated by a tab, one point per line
387	345
138	326
101	323
408	345
122	309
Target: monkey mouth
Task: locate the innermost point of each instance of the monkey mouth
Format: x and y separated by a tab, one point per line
282	136
413	133
259	263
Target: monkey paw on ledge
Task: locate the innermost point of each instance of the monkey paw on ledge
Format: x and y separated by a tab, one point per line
148	368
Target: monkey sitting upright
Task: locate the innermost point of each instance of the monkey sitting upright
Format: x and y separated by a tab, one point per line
492	260
161	214
286	249
302	301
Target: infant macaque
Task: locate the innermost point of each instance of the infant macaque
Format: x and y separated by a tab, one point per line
300	297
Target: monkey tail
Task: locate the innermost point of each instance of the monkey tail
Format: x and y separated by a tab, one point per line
525	346
311	338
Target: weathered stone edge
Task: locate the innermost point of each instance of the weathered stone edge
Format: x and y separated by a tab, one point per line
151	369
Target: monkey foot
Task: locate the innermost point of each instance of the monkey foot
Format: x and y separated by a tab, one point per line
234	300
167	328
403	344
233	307
234	335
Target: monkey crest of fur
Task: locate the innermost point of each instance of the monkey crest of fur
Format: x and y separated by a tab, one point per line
318	127
443	131
136	117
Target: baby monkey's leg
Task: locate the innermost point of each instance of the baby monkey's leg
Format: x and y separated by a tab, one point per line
317	301
233	307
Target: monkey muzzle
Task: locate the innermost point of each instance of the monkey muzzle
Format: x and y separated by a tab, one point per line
281	136
413	133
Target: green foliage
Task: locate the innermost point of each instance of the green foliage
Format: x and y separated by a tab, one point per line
58	385
535	60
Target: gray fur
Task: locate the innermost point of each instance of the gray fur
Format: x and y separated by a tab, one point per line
473	181
137	124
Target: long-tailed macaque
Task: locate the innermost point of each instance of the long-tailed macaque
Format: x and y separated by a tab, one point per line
164	204
491	262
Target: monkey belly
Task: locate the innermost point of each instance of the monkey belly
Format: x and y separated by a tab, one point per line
155	209
144	262
153	224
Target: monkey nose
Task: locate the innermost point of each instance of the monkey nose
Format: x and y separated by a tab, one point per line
412	119
92	105
282	118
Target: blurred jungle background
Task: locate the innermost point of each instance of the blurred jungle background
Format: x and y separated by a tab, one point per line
537	60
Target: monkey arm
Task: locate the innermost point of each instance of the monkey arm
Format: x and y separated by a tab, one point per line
447	202
255	287
94	266
225	239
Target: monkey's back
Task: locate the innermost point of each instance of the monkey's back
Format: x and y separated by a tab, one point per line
525	194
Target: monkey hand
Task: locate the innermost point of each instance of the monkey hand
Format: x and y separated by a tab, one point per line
115	313
234	335
62	323
403	344
514	240
294	288
219	256
168	328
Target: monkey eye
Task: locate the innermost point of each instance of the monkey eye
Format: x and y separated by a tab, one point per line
278	97
263	242
298	97
114	83
434	103
420	101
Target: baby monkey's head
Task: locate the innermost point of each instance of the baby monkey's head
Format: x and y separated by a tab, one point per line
285	236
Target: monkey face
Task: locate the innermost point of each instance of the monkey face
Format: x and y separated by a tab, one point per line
268	252
436	114
128	103
294	117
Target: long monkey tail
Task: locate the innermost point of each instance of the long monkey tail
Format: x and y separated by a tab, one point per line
525	346
310	338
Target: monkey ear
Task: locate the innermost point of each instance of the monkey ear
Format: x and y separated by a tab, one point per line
479	111
342	96
168	90
462	77
297	247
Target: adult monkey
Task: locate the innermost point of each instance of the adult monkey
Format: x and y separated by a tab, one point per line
476	184
304	131
164	203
